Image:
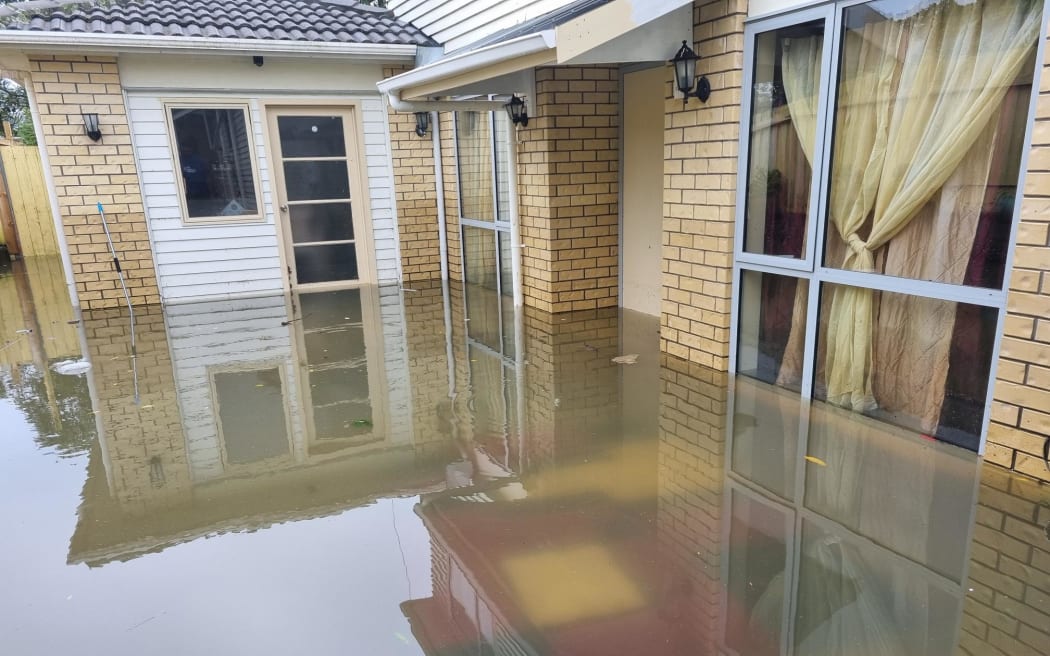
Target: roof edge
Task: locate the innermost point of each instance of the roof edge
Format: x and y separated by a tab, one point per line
202	45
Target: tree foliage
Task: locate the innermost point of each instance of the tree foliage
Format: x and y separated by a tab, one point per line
14	109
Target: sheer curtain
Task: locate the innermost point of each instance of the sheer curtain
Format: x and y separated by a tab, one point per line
927	90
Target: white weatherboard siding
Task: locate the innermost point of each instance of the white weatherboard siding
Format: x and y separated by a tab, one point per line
231	260
458	23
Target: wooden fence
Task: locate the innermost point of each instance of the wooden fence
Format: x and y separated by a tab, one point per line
23	193
35	314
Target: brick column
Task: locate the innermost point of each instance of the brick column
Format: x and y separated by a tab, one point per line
1021	411
700	145
88	172
414	192
568	184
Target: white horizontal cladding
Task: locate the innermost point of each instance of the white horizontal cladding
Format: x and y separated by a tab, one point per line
764	7
241	334
229	260
277	74
458	23
203	251
49	42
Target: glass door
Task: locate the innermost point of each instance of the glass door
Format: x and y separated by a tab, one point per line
321	201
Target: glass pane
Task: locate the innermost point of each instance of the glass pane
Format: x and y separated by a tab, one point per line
784	101
316	180
311	136
325	263
756	587
474	153
915	362
930	117
324	222
503	137
857	460
215	160
251	415
772	328
506	281
766	422
853	598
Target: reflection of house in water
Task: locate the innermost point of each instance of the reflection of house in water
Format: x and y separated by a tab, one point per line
250	413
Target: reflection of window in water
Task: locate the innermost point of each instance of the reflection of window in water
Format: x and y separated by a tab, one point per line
251	415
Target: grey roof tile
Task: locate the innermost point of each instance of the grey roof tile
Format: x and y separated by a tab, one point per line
320	21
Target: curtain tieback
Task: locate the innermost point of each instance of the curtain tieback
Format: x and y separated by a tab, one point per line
859	251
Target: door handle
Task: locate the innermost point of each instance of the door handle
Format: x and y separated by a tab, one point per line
283	208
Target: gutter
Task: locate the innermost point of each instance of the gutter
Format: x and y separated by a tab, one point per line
50	41
467	62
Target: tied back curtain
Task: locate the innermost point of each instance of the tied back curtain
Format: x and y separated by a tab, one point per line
915	97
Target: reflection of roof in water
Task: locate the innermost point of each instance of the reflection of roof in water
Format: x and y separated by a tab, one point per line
105	533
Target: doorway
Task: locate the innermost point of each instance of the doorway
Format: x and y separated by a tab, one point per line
321	198
643	171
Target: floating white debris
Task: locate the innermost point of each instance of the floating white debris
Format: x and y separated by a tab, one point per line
626	359
71	367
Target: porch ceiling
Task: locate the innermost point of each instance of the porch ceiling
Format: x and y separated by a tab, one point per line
619	31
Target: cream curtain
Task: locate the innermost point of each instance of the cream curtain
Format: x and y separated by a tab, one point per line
800	72
926	91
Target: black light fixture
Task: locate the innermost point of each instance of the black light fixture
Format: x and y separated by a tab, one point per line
422	123
517	111
258	60
91	126
685	73
156	472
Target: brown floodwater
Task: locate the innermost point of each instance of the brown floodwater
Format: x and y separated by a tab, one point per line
428	471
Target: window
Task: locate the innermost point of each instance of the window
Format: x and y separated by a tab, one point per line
884	143
215	158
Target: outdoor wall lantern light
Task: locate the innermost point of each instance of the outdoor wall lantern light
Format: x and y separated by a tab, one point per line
422	123
685	72
519	115
91	126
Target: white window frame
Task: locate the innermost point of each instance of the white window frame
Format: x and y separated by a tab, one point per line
249	126
811	267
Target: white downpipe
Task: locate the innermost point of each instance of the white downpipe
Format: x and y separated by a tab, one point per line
56	210
515	221
439	184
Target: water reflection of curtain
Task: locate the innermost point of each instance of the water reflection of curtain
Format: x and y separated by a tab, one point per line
919	102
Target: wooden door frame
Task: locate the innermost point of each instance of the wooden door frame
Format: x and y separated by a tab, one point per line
360	197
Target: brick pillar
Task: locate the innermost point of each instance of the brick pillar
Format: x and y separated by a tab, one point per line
446	131
568	185
414	192
1021	411
700	166
88	172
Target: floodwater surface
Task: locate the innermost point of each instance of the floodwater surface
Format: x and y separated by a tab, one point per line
392	471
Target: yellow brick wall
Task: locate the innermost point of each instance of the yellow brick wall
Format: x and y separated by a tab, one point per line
446	132
1021	410
700	163
568	184
88	172
415	195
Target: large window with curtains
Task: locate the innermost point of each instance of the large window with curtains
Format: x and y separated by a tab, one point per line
884	143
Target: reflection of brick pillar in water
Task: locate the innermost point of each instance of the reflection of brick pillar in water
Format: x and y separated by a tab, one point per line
427	363
1007	609
689	513
143	443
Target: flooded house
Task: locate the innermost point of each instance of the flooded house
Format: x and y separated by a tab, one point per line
539	327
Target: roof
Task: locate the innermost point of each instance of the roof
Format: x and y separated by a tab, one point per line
308	21
547	21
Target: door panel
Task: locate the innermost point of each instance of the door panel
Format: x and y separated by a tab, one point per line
320	196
